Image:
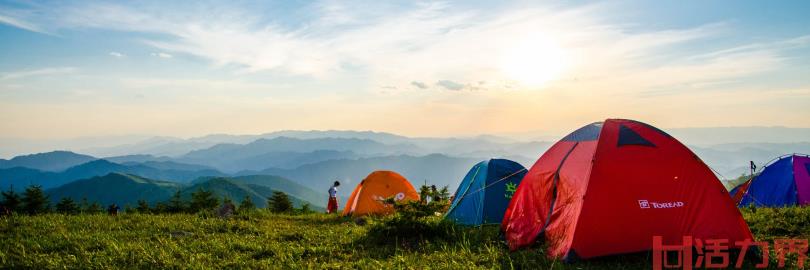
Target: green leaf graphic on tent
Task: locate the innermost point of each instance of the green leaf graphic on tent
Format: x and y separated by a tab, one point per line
510	190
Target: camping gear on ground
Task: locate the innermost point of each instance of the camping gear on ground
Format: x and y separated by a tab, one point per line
367	198
112	209
610	187
484	193
227	209
783	182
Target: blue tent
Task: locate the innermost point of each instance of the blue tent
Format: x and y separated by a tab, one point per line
485	192
785	182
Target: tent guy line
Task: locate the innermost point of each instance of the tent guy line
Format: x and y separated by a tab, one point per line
493	183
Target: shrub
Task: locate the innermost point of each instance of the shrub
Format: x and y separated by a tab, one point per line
67	206
35	201
404	230
203	200
415	209
160	208
783	221
279	202
176	203
94	208
11	201
413	222
306	209
246	205
143	207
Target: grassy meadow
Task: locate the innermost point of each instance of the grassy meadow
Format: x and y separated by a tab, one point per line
262	240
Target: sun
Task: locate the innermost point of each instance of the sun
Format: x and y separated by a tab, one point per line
534	61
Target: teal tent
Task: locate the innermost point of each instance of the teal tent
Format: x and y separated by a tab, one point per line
485	192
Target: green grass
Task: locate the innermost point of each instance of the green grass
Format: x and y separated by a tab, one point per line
771	223
262	240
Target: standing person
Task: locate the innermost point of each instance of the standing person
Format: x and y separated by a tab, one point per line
332	206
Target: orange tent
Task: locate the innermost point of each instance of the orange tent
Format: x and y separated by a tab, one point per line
366	199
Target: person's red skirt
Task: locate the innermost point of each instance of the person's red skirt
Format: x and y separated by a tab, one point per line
332	206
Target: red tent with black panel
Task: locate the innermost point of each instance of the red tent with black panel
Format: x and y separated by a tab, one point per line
609	187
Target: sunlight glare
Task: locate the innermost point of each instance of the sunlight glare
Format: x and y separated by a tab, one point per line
534	61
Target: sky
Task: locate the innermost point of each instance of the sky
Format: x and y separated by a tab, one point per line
86	68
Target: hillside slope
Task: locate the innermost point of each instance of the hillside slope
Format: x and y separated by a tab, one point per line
285	185
51	161
127	189
235	190
19	178
122	189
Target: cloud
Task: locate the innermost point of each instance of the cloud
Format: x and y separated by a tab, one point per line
450	85
322	65
21	24
36	73
117	54
162	55
404	45
419	85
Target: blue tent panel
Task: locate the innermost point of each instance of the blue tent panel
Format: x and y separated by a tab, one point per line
484	193
508	174
773	187
468	201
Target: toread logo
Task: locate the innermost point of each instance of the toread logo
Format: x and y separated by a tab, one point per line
645	204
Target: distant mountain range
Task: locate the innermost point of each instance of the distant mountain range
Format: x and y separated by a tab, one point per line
287	152
314	159
110	146
732	159
127	189
707	136
433	169
169	146
51	161
21	177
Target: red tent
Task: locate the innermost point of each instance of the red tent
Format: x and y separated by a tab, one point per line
609	187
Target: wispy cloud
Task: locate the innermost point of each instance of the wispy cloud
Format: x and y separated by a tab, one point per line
36	73
419	85
327	64
450	85
162	55
427	42
117	54
19	23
